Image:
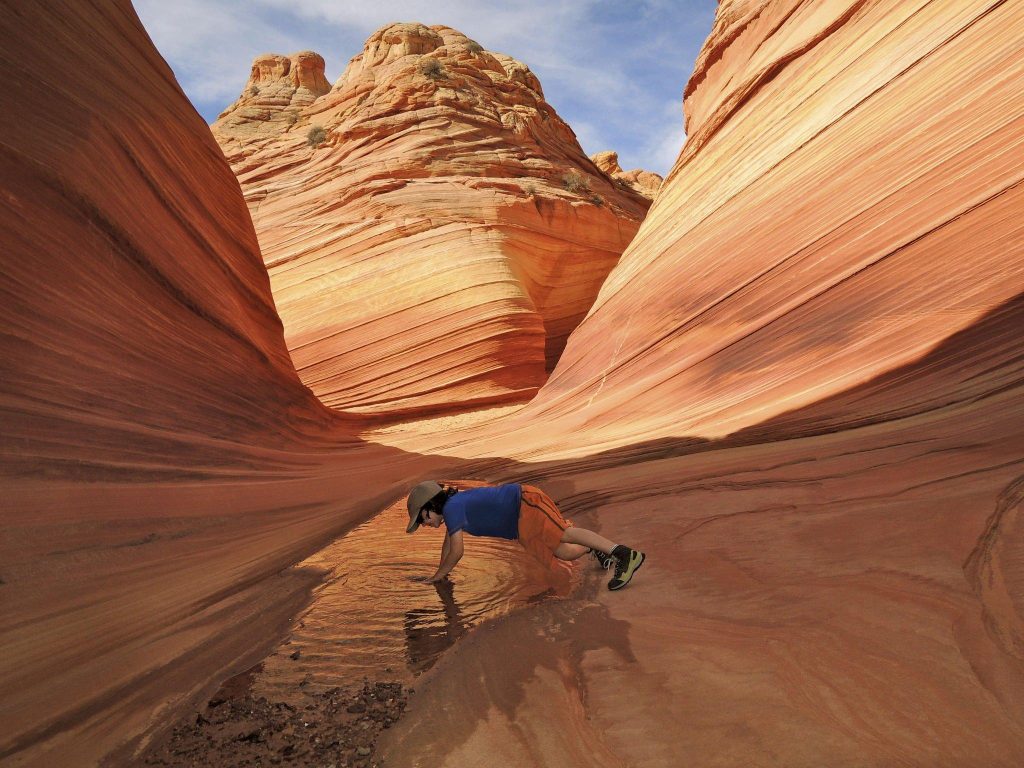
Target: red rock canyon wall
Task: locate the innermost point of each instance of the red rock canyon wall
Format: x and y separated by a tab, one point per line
800	392
159	457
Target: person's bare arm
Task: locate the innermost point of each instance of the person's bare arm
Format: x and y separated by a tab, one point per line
453	544
445	548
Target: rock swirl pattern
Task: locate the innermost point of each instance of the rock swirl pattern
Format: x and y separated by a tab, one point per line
800	392
432	229
848	198
161	463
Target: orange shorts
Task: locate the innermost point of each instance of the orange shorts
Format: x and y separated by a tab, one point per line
541	525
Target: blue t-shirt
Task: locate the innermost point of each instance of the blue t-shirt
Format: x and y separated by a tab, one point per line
488	511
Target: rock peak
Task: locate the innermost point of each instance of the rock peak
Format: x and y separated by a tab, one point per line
647	183
433	175
278	88
404	44
304	70
393	41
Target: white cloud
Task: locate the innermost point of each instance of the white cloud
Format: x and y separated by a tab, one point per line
663	145
590	137
210	45
665	149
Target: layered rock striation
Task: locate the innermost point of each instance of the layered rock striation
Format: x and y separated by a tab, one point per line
800	391
432	229
160	461
834	215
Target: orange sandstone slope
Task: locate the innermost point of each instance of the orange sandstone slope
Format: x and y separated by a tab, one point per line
849	196
432	229
159	457
807	372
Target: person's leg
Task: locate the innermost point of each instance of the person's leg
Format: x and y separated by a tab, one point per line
626	561
546	534
587	539
567	551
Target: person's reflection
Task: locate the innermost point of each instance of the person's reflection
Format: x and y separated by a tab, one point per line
431	629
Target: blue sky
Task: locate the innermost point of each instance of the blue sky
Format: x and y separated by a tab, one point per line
615	71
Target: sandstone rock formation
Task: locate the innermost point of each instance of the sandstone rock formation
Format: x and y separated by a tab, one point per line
156	441
278	88
800	392
647	183
439	236
821	227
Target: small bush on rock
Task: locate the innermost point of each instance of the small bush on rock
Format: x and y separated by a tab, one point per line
576	182
315	136
431	67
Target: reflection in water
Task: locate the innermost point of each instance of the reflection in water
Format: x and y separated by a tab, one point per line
432	629
376	616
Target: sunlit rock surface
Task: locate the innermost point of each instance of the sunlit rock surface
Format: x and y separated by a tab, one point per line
432	229
800	392
278	88
848	198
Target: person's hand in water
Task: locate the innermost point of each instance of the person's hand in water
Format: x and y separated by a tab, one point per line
437	582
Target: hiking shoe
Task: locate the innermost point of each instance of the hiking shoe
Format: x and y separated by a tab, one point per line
627	562
605	561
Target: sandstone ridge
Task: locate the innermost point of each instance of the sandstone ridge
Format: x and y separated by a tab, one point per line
800	391
432	228
156	440
728	300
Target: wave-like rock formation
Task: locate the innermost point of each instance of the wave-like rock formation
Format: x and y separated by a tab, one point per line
432	229
801	392
647	183
847	199
160	461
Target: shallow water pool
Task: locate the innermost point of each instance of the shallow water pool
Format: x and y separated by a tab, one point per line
375	618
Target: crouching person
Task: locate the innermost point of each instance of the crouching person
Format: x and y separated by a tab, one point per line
519	512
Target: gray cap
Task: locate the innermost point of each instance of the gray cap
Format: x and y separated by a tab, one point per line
419	496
